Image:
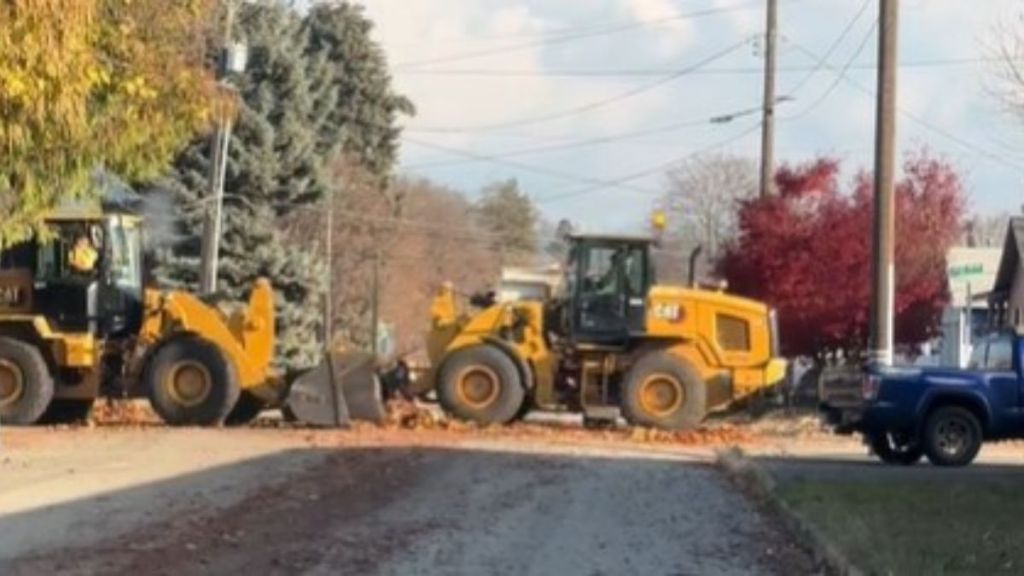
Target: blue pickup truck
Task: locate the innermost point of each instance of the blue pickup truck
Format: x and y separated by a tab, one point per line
942	413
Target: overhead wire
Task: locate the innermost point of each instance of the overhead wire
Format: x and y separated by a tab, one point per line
518	165
832	48
587	142
661	167
591	106
977	149
563	38
838	79
707	71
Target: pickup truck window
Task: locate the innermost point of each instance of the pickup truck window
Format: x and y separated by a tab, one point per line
1000	354
994	354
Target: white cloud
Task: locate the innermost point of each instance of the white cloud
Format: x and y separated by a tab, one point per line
951	97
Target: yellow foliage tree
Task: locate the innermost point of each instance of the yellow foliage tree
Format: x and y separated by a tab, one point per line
87	84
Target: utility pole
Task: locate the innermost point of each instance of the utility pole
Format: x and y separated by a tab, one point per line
375	303
233	57
768	119
882	261
329	284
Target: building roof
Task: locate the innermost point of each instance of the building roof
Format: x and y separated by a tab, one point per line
1012	249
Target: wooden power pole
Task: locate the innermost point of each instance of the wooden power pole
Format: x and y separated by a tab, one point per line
882	260
768	119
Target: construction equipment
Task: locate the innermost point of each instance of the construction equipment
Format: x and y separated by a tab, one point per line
612	342
75	327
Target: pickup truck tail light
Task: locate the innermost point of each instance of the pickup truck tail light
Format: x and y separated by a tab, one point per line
869	387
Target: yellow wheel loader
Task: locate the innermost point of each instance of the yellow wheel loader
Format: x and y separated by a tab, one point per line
77	323
612	342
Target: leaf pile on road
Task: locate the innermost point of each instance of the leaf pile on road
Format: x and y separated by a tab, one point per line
406	415
123	413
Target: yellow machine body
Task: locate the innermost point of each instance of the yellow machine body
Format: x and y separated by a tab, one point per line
729	342
245	337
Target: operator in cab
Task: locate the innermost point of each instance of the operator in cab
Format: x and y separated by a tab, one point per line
83	256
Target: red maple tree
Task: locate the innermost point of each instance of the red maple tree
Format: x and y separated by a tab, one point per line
806	251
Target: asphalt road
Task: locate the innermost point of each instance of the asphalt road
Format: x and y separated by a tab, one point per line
496	507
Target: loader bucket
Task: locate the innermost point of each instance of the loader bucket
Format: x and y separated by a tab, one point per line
343	388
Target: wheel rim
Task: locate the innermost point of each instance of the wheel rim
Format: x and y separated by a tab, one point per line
12	383
952	436
188	383
661	395
478	386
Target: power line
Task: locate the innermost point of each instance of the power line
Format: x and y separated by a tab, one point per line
519	165
591	106
649	171
980	150
586	142
832	48
707	71
839	78
572	36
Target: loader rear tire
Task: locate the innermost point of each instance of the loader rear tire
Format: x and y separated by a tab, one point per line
481	384
190	382
246	409
26	385
662	391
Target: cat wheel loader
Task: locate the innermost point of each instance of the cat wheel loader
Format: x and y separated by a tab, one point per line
612	342
77	323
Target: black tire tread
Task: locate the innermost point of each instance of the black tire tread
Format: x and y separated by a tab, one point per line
881	448
511	398
690	414
38	382
212	412
931	449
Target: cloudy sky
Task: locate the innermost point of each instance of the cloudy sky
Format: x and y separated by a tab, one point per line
586	102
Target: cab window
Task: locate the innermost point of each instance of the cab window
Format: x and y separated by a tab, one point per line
1000	354
636	270
994	354
733	333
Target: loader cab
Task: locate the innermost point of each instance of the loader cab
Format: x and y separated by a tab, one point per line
608	280
98	293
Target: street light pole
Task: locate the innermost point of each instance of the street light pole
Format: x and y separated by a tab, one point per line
882	261
232	62
768	120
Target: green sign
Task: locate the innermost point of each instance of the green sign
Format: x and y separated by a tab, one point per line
966	270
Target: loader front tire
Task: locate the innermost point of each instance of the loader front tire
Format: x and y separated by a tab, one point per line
481	384
26	385
190	382
662	391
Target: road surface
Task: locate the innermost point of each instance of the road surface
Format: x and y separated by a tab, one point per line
272	502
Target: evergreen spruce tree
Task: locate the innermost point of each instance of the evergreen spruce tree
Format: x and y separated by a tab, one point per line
302	101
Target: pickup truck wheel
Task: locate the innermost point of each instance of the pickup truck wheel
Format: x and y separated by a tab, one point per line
952	436
894	448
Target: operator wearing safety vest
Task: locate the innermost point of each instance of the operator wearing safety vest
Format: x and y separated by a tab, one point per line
83	256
